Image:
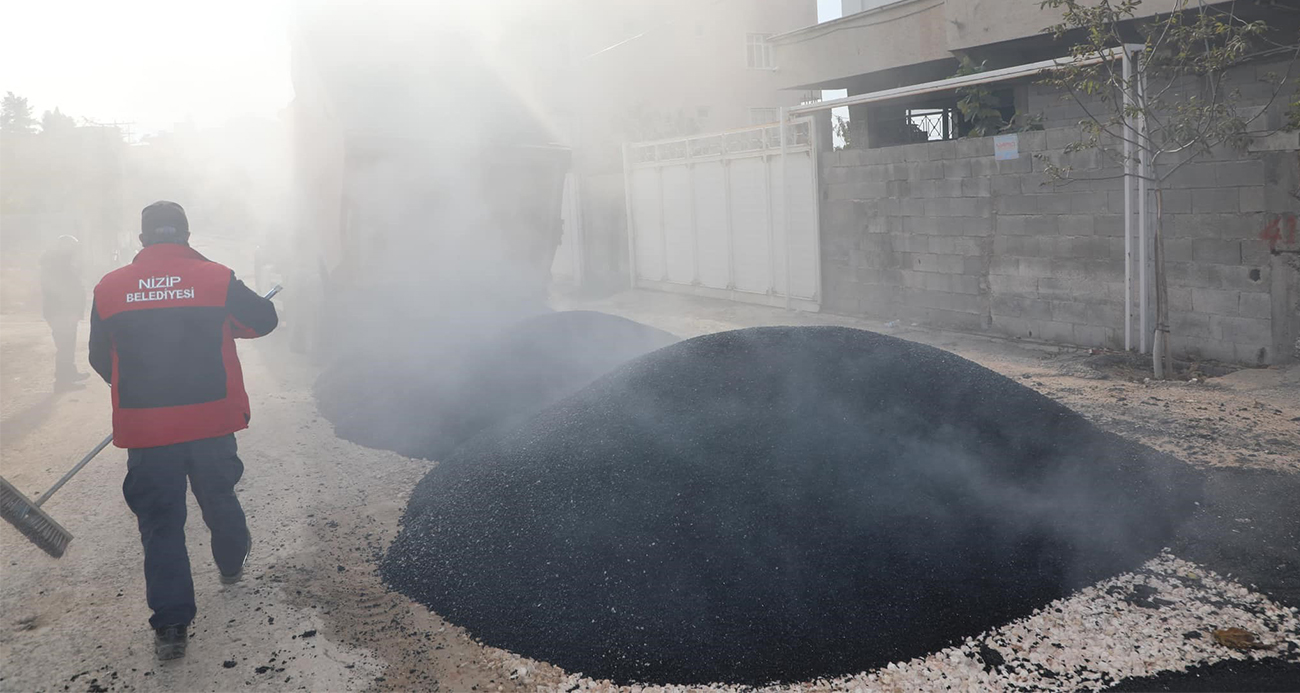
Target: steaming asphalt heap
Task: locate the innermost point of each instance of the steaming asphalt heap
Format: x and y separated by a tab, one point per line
428	400
776	504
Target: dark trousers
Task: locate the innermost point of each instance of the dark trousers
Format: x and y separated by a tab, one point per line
65	347
155	490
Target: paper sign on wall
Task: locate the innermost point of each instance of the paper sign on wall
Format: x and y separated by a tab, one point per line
1006	147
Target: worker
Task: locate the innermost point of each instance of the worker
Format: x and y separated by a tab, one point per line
162	334
63	305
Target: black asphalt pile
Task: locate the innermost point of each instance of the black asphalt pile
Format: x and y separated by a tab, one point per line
427	399
777	504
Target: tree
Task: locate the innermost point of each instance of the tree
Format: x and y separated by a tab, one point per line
1177	104
977	104
15	114
55	122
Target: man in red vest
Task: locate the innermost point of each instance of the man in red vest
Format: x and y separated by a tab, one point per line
162	334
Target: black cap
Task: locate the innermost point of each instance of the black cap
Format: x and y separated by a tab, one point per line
164	222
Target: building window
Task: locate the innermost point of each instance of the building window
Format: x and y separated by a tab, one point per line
758	52
931	124
702	112
932	118
763	116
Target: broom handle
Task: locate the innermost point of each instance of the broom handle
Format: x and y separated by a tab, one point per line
104	443
84	461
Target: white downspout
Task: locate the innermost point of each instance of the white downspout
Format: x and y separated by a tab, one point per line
631	225
1143	158
1128	207
785	202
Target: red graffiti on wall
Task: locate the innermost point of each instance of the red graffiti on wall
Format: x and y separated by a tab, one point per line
1281	229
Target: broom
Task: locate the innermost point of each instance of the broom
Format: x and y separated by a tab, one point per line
28	518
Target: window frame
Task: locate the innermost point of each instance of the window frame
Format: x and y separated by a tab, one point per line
765	57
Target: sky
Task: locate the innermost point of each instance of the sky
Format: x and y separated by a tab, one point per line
149	62
156	63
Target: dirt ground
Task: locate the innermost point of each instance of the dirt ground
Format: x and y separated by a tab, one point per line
311	613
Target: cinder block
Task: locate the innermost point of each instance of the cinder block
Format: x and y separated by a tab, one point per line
1066	289
1017	246
1087	202
962	303
1253	354
1176	249
1024	164
1005	265
1238	330
1042	224
1060	138
1010	224
928	170
1217	200
1007	285
1216	252
1092	248
1173	201
949	187
974	245
1221	226
1038	184
912	207
1010	326
975	187
1032	308
1215	301
1247	172
1052	331
1218	350
1196	175
1076	224
1035	267
1255	253
972	147
1108	224
1055	203
965	225
956	168
1091	335
1032	141
939	151
1004	185
942	244
1195	325
964	284
1180	298
1016	204
1252	199
1255	305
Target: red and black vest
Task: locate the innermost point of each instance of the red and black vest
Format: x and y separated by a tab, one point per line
162	333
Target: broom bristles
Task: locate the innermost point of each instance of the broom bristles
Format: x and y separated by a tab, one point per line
29	519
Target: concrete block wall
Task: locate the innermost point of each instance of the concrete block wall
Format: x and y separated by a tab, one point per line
942	234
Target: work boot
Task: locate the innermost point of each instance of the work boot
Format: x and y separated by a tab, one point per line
169	642
238	574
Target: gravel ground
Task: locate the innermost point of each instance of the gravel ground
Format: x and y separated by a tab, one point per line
318	503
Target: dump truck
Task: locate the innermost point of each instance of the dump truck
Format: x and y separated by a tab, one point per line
429	173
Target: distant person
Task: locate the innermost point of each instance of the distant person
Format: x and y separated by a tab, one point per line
162	333
63	305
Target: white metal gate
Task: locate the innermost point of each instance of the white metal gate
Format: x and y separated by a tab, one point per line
731	215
